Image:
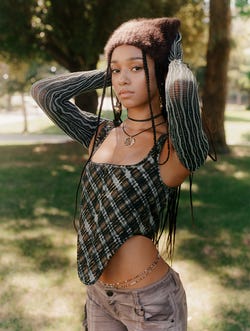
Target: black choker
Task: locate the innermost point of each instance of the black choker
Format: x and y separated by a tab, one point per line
146	119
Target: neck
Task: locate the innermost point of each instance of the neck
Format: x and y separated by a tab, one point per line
143	112
144	119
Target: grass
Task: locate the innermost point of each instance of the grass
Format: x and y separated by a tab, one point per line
214	250
39	287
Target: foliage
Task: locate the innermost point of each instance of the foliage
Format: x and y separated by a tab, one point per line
17	76
194	32
243	7
239	68
16	32
18	79
71	33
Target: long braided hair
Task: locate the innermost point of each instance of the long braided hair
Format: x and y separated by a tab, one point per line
168	216
168	219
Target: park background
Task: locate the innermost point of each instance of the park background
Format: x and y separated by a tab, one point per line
40	166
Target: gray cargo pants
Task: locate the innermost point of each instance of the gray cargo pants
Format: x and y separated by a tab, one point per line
158	306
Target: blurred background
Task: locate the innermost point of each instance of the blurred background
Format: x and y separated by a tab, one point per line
40	166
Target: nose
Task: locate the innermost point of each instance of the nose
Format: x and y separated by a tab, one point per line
123	78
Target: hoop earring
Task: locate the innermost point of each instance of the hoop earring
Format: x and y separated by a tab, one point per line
117	110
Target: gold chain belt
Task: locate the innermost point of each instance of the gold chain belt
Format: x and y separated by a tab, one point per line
134	280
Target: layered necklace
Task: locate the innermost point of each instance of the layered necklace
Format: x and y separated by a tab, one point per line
130	139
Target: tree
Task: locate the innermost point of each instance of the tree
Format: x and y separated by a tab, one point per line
244	7
18	77
239	66
215	89
73	33
193	30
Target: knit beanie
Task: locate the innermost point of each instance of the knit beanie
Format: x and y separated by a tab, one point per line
160	38
153	35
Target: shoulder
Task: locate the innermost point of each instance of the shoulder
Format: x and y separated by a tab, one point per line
102	131
173	172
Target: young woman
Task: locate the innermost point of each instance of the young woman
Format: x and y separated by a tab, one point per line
131	182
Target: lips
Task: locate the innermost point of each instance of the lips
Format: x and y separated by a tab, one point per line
125	93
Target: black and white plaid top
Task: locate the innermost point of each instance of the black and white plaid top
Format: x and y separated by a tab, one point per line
118	201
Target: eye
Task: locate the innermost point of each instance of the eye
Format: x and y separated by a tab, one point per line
115	70
136	68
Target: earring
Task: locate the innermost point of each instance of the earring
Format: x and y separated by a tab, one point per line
117	110
161	104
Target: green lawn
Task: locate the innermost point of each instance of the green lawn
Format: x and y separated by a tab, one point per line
39	287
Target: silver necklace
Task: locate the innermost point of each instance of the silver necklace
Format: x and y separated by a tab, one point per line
130	139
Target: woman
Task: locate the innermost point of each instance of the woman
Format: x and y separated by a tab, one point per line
131	182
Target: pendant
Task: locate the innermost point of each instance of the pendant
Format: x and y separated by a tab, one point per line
129	141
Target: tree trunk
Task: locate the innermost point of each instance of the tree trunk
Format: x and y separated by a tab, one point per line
24	111
9	102
215	89
87	101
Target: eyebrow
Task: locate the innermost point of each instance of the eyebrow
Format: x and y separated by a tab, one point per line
129	59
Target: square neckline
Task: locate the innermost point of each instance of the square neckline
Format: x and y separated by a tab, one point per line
104	132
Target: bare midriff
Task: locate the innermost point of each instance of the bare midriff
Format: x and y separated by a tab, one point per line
137	256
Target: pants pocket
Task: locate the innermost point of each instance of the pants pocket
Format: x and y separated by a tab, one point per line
160	309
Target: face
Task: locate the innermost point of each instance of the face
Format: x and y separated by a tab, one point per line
129	80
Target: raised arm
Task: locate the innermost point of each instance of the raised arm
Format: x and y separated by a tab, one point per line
185	125
53	96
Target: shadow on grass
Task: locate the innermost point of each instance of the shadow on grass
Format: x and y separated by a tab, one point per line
221	230
37	196
232	319
38	191
44	253
39	181
219	239
37	204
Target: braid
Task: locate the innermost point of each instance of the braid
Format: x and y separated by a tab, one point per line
92	149
160	74
145	66
168	218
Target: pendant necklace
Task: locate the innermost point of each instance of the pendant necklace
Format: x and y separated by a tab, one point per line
130	139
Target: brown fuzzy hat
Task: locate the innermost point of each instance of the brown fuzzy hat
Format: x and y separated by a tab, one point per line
154	36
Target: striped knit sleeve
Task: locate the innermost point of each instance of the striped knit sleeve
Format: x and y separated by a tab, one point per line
53	96
183	109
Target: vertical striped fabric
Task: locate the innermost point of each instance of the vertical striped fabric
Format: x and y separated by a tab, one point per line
185	126
53	96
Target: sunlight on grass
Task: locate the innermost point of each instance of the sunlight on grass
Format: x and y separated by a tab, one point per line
208	289
39	279
40	289
39	211
185	186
